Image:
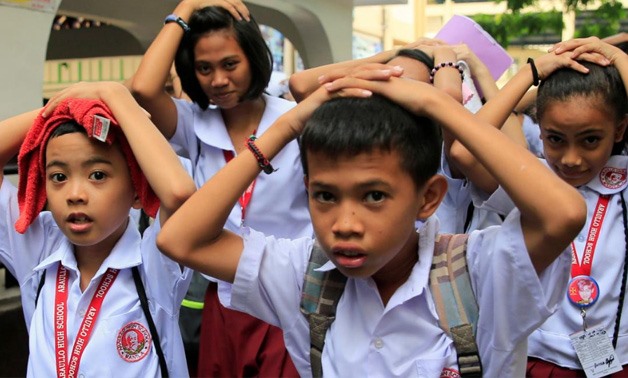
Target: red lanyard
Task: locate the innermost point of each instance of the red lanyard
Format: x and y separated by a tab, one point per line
68	367
584	267
245	198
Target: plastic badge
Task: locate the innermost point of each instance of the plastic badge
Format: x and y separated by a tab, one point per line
583	291
595	352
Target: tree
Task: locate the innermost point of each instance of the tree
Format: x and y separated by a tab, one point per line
601	22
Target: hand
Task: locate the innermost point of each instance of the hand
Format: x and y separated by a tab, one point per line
368	71
93	90
424	42
463	52
548	63
236	8
411	94
298	116
591	49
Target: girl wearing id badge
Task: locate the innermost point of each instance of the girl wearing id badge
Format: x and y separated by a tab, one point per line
582	114
583	120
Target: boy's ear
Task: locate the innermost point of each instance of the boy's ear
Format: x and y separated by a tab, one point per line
306	181
433	192
621	129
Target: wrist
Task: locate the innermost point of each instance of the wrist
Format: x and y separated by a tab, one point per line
174	18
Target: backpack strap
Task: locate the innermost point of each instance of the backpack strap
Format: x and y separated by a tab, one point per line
457	308
139	286
42	281
319	299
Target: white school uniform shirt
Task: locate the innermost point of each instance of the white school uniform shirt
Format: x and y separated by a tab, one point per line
551	341
40	251
403	338
453	210
279	202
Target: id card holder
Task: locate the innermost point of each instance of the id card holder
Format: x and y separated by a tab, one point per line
595	352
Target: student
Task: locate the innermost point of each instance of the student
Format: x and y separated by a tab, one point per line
87	318
583	120
224	66
371	172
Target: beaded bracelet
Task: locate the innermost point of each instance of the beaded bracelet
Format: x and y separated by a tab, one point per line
446	64
259	156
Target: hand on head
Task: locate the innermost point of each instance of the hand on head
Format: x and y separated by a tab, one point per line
424	42
367	71
548	63
591	49
237	8
91	90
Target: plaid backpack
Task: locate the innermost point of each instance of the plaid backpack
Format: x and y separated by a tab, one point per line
450	286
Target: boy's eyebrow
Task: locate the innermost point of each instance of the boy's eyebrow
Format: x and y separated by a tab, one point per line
363	185
86	163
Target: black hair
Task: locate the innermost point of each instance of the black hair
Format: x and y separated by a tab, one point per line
345	127
248	36
416	55
67	128
601	83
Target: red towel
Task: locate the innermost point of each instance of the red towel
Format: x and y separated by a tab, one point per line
91	114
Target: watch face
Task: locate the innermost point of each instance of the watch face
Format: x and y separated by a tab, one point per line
583	291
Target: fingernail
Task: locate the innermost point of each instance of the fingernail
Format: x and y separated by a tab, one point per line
398	68
367	93
321	78
328	86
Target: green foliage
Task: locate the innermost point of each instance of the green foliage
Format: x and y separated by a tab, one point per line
505	27
604	21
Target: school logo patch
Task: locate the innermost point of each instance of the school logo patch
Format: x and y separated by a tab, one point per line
612	177
449	373
133	342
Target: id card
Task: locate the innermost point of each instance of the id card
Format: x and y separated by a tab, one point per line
595	352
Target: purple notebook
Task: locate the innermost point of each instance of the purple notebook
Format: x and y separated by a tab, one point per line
462	29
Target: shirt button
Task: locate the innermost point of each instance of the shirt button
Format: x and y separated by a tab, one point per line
580	238
82	313
379	343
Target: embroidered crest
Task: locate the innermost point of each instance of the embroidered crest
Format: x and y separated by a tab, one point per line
612	177
449	373
133	342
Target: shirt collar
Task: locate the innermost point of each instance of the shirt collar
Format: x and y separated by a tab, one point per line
125	254
211	128
419	277
612	178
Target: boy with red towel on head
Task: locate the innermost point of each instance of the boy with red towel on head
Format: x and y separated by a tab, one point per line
98	298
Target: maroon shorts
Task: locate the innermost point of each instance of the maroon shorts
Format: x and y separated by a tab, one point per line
234	344
538	368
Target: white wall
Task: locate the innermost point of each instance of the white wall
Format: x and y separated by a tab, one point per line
23	46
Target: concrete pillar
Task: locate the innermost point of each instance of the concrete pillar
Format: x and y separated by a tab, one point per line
25	33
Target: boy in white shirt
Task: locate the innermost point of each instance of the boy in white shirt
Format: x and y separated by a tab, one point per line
81	263
371	173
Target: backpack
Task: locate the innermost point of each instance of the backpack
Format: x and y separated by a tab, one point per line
450	286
